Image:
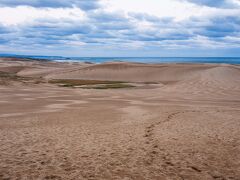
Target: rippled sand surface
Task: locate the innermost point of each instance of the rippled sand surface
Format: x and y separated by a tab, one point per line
180	121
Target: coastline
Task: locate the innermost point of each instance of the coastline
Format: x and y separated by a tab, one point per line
147	60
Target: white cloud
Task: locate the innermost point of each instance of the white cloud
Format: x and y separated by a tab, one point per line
26	14
179	10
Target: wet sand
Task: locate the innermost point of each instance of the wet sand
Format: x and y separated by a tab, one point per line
180	121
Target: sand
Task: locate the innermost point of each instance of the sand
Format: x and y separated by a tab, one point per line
180	121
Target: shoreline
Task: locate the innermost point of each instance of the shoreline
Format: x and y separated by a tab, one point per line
158	60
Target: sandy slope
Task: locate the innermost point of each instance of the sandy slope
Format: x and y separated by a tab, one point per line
133	72
183	124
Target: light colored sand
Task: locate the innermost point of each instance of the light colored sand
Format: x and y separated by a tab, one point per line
187	126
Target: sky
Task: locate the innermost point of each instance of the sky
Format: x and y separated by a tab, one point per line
120	27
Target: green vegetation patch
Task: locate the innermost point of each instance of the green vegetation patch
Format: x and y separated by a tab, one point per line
90	84
110	86
8	75
150	82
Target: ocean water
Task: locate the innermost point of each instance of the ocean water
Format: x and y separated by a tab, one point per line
229	60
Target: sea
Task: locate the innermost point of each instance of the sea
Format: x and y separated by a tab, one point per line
150	60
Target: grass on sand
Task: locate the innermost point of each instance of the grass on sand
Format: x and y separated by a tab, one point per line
90	84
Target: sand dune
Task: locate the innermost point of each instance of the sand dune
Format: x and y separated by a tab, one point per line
134	72
179	121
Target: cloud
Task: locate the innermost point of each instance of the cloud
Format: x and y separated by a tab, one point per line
4	30
113	30
215	29
103	30
83	4
23	14
218	3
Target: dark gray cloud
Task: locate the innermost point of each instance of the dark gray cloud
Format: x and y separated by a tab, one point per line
215	3
4	30
6	35
83	4
221	27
